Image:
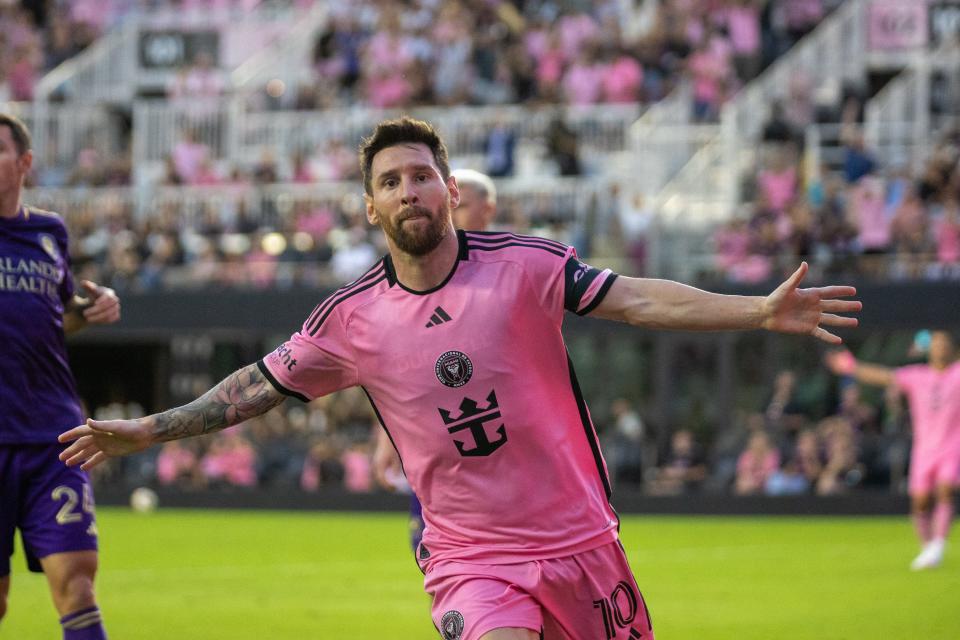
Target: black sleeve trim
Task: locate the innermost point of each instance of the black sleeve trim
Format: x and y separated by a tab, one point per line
599	297
577	278
279	387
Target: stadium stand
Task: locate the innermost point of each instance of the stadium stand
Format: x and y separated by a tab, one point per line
198	144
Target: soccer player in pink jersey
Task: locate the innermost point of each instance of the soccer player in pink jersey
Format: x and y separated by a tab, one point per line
933	393
475	212
455	336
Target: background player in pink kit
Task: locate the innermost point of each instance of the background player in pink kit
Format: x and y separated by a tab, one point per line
484	409
50	505
933	393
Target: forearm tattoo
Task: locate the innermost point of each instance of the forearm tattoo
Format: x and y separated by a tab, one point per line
242	395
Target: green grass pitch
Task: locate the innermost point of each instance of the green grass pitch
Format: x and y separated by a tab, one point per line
236	575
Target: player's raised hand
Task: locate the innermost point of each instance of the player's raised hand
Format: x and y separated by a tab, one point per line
97	440
840	362
790	309
105	307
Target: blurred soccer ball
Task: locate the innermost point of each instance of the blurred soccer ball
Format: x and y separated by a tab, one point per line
143	500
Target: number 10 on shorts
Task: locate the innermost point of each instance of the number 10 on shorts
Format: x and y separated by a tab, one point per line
618	611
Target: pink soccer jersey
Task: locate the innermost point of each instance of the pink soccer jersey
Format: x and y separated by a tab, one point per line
474	386
934	398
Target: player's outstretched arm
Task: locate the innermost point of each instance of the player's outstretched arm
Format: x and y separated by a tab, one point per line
664	304
842	363
242	395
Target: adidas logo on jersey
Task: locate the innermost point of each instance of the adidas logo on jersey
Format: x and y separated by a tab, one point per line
439	317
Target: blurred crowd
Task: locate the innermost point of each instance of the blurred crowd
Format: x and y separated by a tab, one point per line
325	443
865	216
784	447
243	239
36	37
448	52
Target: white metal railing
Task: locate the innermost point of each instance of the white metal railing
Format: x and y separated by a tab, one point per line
65	131
465	129
658	157
108	69
704	187
897	119
105	71
159	124
835	51
288	60
240	137
555	198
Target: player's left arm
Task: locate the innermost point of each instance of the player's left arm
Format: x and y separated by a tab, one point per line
100	306
664	304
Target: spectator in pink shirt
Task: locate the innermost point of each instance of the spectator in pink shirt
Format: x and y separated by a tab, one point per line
578	32
583	81
387	60
869	213
947	230
231	460
742	19
549	70
622	79
708	73
22	73
358	471
176	463
732	244
188	156
756	464
778	182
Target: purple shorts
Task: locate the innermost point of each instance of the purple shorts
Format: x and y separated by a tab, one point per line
588	595
51	504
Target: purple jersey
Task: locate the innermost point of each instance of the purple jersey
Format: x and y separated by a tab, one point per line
38	397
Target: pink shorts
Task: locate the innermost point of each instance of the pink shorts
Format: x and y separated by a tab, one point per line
588	596
927	473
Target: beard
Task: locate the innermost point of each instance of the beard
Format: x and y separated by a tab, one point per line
416	241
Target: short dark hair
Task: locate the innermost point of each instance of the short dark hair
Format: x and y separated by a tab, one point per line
404	130
19	131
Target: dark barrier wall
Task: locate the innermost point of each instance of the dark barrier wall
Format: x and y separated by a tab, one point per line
261	313
859	504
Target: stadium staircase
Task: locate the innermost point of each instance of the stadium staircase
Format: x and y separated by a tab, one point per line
706	190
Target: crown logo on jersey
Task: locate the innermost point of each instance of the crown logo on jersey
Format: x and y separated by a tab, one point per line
474	417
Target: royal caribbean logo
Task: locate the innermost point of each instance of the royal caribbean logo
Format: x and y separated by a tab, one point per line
451	624
454	369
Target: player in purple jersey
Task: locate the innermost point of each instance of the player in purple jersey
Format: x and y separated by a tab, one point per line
53	510
484	409
475	212
933	394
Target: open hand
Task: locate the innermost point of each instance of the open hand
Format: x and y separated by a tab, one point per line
790	309
98	440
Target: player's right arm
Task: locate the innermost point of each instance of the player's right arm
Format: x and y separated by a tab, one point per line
842	363
244	394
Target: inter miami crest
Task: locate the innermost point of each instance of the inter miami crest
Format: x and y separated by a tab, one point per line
454	369
451	625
